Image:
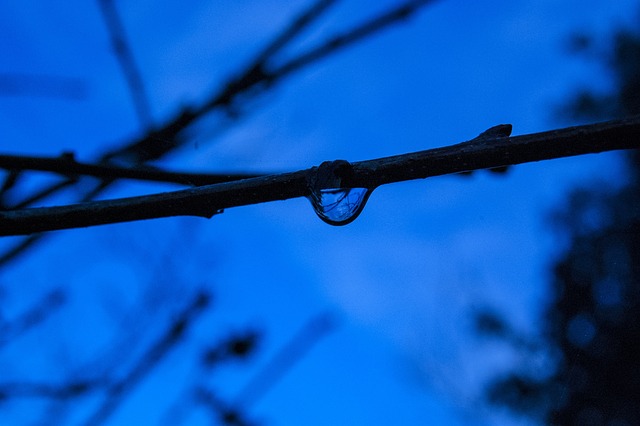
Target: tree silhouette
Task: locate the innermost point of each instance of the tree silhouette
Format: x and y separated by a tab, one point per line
591	332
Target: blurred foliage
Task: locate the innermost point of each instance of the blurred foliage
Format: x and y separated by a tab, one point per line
591	328
621	58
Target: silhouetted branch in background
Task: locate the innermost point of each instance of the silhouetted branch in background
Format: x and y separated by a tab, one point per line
116	390
237	346
17	249
29	241
39	196
66	165
73	389
274	370
119	389
296	26
492	148
225	414
125	57
9	330
283	360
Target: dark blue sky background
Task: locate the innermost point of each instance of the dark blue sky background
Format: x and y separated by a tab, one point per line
400	283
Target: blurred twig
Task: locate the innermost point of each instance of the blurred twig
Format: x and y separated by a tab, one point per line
296	26
48	305
118	390
72	389
67	165
238	346
226	414
25	243
275	369
354	35
127	62
283	360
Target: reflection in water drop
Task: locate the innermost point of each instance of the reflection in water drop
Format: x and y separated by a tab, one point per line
339	206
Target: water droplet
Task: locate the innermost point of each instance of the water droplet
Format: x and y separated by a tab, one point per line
339	206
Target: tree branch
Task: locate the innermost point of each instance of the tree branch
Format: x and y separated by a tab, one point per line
31	318
73	389
295	27
125	57
66	165
172	336
366	29
479	153
287	356
273	371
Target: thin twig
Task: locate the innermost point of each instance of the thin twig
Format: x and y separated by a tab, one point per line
31	318
70	390
174	333
292	352
479	153
116	390
125	57
275	369
67	165
227	415
352	36
299	24
42	194
19	248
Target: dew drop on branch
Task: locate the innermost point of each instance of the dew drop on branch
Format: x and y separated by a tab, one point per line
339	206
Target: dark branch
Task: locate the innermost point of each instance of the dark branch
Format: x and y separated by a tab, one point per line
42	194
30	319
226	414
116	390
366	29
22	245
44	390
296	27
173	335
19	248
292	352
482	152
66	165
125	57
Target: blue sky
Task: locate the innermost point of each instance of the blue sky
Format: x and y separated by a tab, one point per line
401	281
